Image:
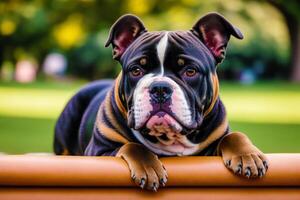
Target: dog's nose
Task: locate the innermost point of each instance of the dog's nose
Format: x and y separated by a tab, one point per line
160	91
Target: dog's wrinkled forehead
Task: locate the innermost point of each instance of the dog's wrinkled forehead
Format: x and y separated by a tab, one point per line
144	45
187	45
176	44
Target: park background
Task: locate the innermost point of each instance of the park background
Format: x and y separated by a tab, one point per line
49	49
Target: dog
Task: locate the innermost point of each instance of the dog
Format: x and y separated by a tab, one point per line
164	102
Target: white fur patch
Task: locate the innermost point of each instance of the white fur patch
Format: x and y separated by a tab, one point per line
180	106
141	98
161	51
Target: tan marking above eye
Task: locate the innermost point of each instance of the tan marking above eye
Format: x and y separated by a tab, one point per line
180	62
143	61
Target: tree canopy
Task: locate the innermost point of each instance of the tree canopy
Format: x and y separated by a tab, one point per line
78	30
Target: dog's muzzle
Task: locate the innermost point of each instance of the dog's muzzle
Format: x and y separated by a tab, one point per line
161	123
163	116
161	106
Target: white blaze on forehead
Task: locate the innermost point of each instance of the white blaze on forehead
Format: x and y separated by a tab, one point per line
161	51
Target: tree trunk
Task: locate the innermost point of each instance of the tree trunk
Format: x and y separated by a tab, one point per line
295	44
293	23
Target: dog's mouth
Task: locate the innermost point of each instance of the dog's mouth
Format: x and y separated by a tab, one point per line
161	120
163	133
165	128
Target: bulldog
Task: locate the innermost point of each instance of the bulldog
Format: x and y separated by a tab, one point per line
164	102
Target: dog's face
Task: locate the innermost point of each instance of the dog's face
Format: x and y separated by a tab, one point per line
169	80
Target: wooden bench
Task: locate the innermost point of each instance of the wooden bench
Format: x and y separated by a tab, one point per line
73	177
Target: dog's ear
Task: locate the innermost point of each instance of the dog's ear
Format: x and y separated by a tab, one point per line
123	32
215	31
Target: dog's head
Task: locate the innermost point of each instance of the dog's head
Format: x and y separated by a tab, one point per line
169	81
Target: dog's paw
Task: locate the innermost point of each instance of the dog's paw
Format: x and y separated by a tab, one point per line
146	169
148	174
242	157
250	165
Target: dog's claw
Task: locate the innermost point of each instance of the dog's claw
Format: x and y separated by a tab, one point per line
260	172
142	183
154	187
265	163
239	169
248	172
162	181
133	177
228	163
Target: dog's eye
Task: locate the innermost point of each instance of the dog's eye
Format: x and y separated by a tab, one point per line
136	71
190	72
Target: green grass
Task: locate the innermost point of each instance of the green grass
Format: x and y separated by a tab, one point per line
268	112
263	102
21	135
38	100
271	137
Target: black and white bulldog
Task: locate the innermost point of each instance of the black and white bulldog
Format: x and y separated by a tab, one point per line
165	102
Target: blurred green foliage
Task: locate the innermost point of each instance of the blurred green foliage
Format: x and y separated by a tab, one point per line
78	30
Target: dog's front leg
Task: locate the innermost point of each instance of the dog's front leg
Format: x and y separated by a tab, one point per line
145	168
241	156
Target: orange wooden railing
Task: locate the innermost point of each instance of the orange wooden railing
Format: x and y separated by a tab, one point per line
68	177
